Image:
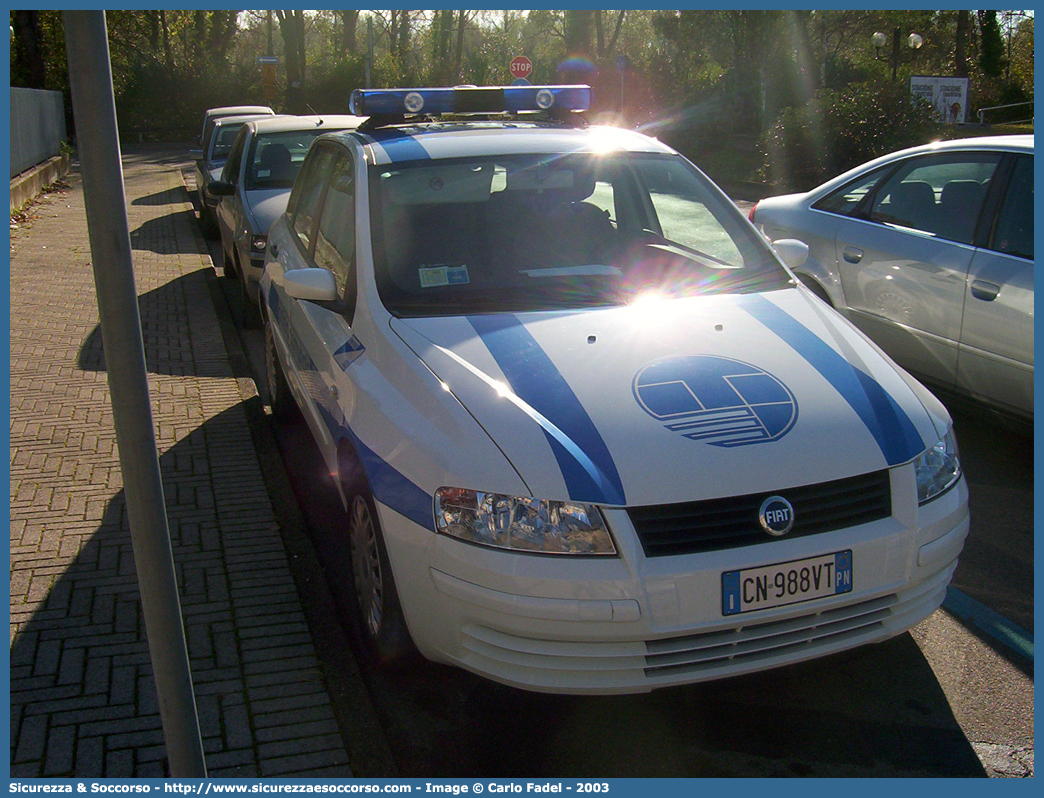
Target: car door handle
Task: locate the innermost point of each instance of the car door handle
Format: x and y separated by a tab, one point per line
985	291
852	255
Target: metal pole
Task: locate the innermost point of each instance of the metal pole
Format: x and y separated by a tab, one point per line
94	109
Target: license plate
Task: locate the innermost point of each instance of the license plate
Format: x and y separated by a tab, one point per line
786	583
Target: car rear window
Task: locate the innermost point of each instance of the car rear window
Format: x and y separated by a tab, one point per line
226	134
276	158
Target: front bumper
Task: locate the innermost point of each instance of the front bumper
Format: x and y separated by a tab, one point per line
634	624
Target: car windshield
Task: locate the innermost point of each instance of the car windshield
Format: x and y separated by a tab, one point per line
276	158
541	232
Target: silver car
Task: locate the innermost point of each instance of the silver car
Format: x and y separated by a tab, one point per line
930	252
228	110
210	162
254	188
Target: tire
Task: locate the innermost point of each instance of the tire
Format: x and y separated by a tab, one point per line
386	639
279	397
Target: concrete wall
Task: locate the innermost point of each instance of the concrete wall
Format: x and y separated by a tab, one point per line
37	127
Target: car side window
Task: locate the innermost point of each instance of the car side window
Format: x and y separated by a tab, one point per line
305	212
335	239
1014	231
846	199
231	173
687	214
941	195
604	199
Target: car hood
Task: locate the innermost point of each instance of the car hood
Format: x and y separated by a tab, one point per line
678	400
265	206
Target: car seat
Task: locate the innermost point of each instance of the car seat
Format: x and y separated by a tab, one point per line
959	206
912	204
275	159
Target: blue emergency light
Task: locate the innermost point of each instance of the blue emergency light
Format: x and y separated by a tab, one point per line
469	100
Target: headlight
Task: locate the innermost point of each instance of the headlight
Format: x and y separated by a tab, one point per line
521	523
257	243
938	469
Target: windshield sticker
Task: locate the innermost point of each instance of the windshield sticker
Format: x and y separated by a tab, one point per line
433	276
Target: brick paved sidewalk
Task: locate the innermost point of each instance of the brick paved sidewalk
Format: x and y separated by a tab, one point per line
83	701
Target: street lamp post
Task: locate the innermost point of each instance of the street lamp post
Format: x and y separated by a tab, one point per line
914	41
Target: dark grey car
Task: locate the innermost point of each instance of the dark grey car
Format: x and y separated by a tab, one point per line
254	188
210	162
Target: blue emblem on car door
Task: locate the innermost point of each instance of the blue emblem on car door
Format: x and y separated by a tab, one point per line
716	400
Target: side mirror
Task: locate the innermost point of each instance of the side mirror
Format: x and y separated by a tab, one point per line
196	155
315	285
219	188
792	252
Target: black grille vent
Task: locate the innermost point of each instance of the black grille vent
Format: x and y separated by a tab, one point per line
716	524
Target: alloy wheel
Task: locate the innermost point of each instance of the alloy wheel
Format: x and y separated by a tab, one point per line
366	567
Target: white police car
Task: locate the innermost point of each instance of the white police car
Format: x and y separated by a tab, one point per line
591	433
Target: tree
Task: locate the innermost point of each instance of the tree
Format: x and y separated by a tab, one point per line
579	31
604	49
222	31
991	45
442	64
1021	59
292	29
399	33
349	25
458	54
960	43
33	70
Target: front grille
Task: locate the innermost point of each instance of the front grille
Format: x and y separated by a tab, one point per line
800	637
743	645
716	524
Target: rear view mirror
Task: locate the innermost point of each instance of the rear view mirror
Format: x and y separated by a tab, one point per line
792	252
315	285
219	188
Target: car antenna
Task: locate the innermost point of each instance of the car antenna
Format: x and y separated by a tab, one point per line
310	108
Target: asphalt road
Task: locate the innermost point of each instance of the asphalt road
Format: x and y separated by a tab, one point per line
947	699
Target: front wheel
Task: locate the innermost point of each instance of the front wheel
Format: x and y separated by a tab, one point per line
386	637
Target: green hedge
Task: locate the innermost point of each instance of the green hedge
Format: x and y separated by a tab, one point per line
837	130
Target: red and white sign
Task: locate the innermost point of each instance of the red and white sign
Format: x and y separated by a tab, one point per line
521	67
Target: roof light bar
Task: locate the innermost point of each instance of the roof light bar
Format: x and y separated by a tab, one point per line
469	100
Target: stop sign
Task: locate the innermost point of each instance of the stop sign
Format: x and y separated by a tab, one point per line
521	67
